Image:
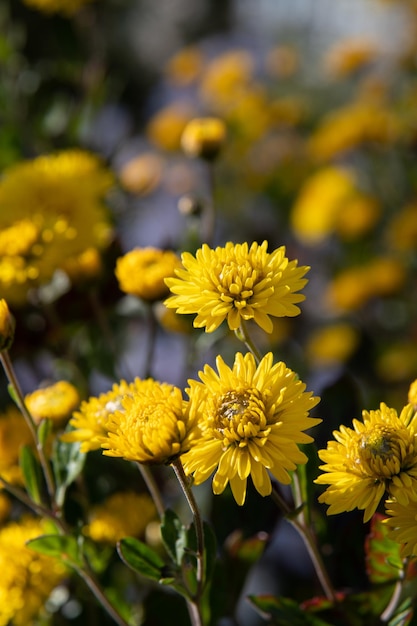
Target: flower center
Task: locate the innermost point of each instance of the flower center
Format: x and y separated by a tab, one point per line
237	282
240	415
384	452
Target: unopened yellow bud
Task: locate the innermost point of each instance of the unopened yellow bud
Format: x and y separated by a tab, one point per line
7	326
204	137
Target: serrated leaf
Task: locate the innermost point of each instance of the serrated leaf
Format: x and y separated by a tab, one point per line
62	547
383	560
68	463
141	558
32	473
284	612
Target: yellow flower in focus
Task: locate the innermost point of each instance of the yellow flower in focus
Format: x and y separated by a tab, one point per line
185	66
252	419
412	393
225	79
142	174
237	283
153	426
165	128
351	126
7	326
55	402
66	7
203	137
14	434
349	56
142	272
28	577
332	344
121	515
377	457
402	522
51	210
90	421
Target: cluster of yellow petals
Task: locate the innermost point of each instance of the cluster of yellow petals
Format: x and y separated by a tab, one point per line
51	211
55	402
377	457
14	433
142	272
252	418
109	522
27	577
152	427
237	283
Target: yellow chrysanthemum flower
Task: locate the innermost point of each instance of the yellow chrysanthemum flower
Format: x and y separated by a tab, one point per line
154	426
203	137
14	433
90	421
225	79
377	457
121	515
142	174
51	210
142	272
332	344
237	283
7	326
27	577
252	419
412	393
402	521
55	402
349	56
66	7
165	128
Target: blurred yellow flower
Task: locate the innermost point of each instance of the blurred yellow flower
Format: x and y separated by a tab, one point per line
185	66
346	128
359	215
397	362
55	402
5	507
225	78
142	272
203	137
349	56
51	210
120	515
237	283
28	577
7	326
402	521
282	61
153	426
355	286
252	418
14	434
401	231
166	126
66	7
377	457
84	267
90	421
334	343
142	174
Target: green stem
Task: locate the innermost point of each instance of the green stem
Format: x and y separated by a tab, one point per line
395	598
243	335
10	373
310	544
152	488
99	594
193	604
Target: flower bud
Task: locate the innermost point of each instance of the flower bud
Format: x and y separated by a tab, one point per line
203	137
7	326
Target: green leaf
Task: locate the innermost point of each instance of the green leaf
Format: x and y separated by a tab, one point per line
284	612
13	395
44	430
68	463
174	536
141	558
383	560
62	547
32	473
